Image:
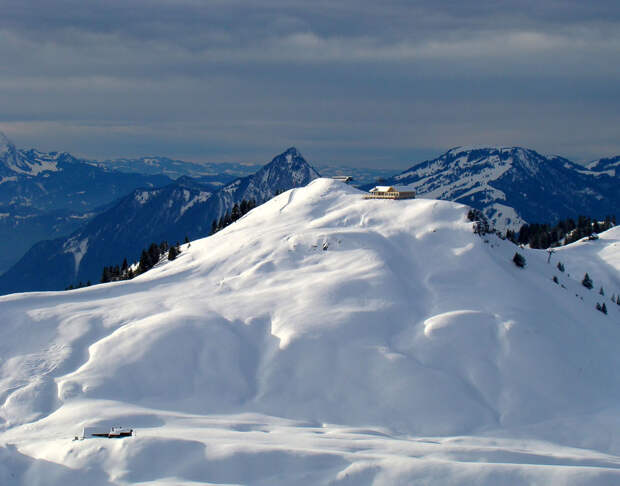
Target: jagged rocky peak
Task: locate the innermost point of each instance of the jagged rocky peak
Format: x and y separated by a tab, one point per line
291	161
6	146
289	156
292	151
9	160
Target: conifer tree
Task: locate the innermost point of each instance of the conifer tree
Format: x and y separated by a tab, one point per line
235	213
587	282
154	254
601	307
145	262
519	260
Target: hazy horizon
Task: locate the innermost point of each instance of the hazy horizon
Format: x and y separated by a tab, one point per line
353	83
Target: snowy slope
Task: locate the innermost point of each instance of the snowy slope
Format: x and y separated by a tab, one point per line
323	339
513	185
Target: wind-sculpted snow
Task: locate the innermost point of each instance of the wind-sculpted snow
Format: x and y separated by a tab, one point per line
323	339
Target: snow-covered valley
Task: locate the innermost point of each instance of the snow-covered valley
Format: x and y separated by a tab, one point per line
323	339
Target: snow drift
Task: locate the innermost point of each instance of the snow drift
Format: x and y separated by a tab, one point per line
324	338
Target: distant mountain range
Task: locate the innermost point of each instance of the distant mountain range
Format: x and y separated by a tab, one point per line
53	181
209	172
362	176
513	185
45	195
184	207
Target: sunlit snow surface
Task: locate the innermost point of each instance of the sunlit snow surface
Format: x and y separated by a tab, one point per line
323	339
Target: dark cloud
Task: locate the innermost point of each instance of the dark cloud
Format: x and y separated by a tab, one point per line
353	81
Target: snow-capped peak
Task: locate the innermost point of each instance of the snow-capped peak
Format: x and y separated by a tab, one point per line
5	144
513	184
8	152
12	161
25	162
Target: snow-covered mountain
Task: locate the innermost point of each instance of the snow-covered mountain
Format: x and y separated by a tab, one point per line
323	339
183	208
513	185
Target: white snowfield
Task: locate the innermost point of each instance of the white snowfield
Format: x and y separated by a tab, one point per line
323	339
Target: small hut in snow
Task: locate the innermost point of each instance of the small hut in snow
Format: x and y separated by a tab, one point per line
389	192
110	433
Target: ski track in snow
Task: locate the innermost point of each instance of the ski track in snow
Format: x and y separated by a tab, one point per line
323	339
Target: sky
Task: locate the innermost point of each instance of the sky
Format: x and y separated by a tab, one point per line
350	82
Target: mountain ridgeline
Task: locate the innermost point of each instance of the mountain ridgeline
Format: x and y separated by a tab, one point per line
48	181
514	185
184	207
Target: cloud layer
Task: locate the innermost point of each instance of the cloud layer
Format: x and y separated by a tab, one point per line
356	82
